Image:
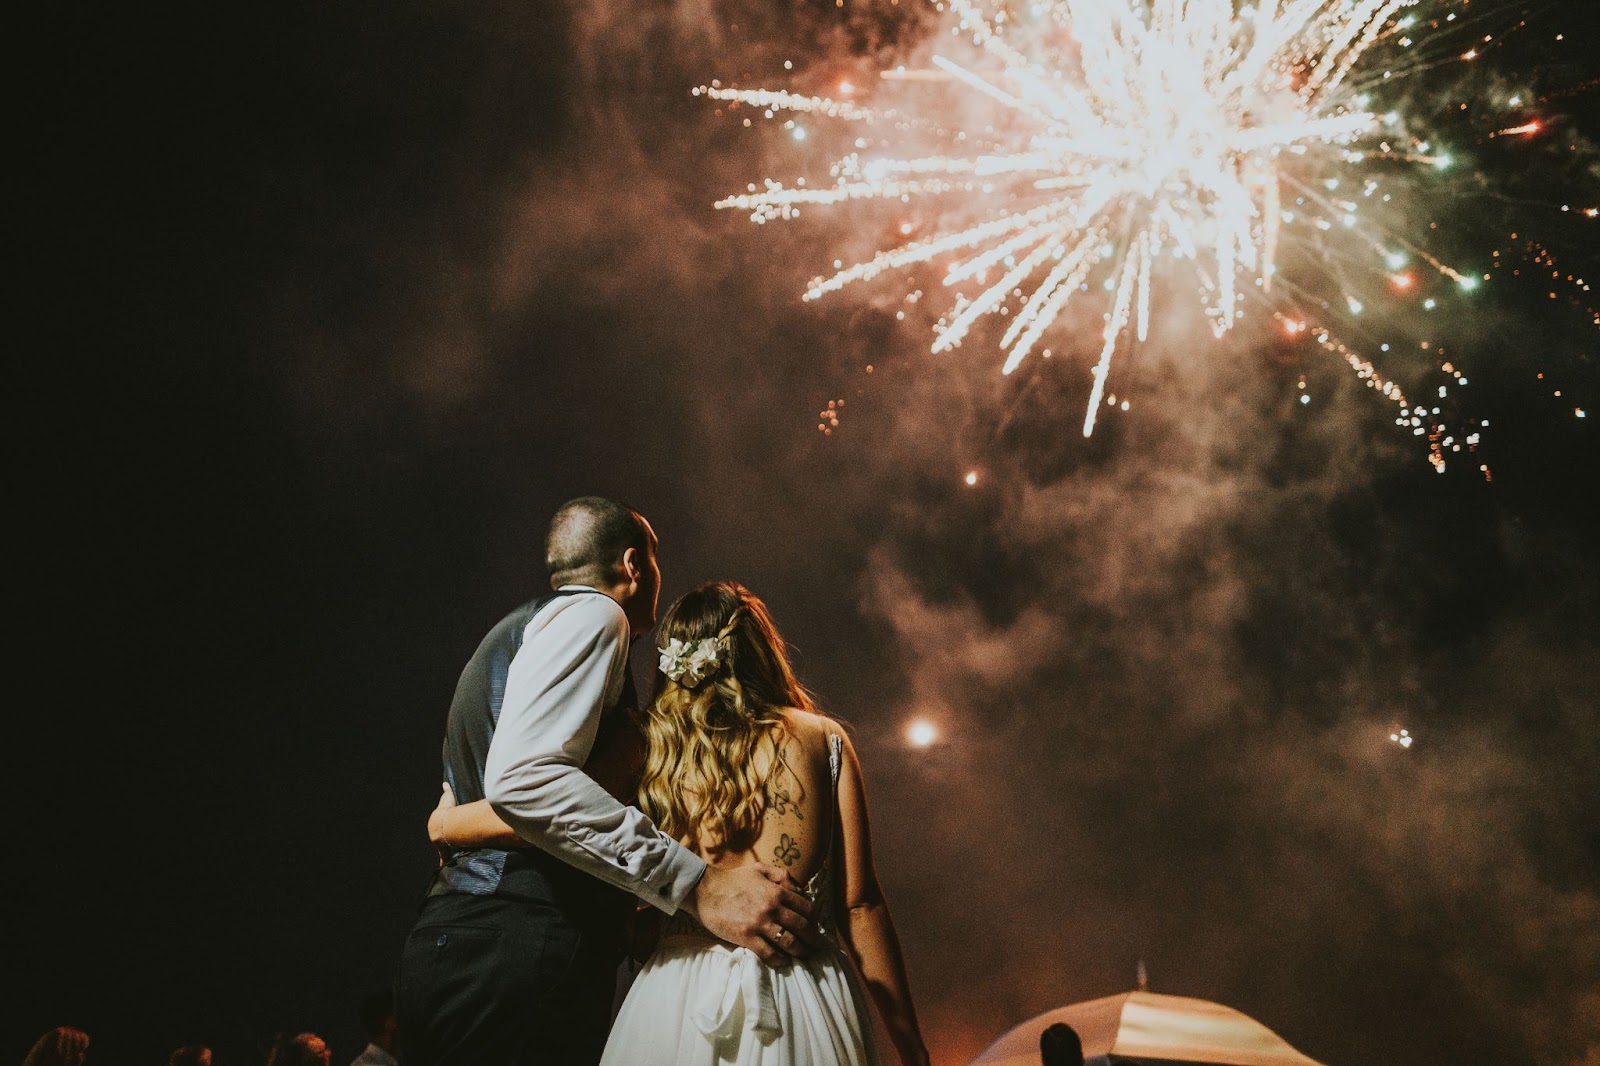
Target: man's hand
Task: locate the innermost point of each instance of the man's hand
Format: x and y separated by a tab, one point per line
447	799
755	907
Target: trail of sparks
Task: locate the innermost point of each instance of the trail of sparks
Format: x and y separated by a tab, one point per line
1123	137
1420	419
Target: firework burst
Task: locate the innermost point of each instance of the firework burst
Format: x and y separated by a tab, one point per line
1140	148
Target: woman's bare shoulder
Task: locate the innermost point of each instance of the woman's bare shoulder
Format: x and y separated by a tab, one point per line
809	726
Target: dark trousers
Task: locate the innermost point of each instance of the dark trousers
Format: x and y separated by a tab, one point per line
487	981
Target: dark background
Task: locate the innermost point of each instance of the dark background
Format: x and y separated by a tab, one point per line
326	308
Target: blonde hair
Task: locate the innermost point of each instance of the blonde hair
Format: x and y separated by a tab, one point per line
700	775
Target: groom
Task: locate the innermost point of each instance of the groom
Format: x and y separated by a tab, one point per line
513	958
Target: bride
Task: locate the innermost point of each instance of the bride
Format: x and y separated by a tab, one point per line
743	769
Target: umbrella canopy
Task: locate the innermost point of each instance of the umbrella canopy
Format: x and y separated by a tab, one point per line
1147	1027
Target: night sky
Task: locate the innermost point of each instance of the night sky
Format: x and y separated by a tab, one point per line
326	308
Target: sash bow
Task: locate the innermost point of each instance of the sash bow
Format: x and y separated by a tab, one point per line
748	981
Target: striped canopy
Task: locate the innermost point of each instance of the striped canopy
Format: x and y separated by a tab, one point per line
1144	1027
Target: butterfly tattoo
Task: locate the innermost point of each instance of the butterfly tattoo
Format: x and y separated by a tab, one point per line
780	802
787	851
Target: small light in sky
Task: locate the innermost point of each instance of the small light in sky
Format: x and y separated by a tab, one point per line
799	133
1526	128
971	478
921	733
1402	737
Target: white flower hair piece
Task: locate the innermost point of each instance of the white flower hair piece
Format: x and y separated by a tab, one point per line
690	662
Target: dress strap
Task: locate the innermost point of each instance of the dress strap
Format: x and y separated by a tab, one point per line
835	751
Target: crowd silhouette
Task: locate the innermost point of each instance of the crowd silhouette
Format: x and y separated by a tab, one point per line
69	1046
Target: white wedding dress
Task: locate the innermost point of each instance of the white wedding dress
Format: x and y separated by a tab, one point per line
702	1002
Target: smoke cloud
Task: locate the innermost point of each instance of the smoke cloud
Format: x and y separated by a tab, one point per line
1165	662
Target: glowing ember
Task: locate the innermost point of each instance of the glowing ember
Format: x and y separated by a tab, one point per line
1525	128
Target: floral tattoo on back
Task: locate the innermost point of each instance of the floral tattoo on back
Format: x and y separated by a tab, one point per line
779	801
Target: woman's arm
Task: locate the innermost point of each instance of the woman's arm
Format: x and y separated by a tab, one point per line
454	826
870	931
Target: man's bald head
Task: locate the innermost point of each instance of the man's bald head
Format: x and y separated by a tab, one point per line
588	537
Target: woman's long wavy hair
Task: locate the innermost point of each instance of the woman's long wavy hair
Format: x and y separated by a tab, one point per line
700	776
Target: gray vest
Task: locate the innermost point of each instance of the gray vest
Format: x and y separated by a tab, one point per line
526	874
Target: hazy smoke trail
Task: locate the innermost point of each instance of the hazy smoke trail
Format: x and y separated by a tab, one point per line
1166	665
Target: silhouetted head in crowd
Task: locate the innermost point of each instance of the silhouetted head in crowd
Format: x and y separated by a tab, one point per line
61	1046
307	1049
1059	1046
191	1055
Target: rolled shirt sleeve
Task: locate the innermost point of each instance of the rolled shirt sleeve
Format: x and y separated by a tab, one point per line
570	667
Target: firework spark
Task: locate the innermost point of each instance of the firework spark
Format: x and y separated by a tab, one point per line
1122	140
1420	419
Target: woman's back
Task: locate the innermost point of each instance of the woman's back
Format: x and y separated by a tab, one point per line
740	770
796	831
703	1002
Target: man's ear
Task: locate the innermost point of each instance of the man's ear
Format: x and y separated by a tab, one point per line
630	564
